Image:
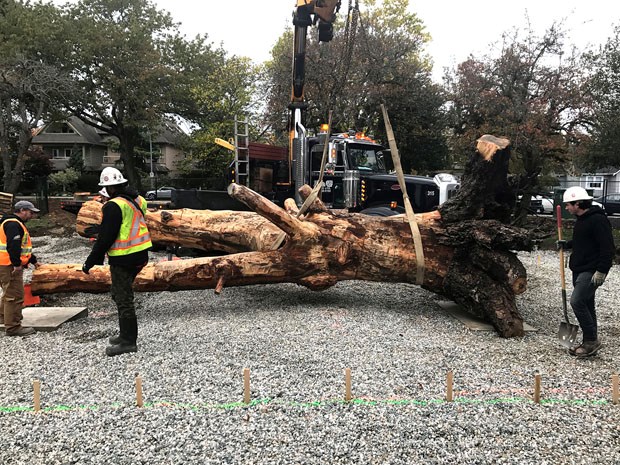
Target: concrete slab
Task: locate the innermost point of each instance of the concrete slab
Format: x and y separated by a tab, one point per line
50	318
470	321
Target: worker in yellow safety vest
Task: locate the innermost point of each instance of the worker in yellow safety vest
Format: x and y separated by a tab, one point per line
123	235
15	255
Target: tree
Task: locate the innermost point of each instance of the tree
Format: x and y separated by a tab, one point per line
229	93
133	69
468	249
533	94
76	160
604	87
381	61
65	180
38	164
32	81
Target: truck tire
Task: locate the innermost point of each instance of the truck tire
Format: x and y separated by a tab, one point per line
150	197
379	211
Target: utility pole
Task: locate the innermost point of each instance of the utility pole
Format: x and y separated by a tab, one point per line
151	174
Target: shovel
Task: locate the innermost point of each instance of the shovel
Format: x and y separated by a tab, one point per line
567	334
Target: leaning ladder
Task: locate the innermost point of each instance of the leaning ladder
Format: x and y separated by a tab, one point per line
242	152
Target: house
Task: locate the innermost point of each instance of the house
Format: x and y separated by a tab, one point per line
601	182
61	139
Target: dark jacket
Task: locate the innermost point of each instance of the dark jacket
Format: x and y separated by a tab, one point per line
108	232
14	234
592	243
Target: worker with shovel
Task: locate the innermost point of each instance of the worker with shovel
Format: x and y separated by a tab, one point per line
592	255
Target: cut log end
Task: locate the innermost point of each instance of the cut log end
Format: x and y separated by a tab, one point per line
487	145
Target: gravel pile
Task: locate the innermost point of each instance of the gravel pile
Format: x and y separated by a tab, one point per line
398	342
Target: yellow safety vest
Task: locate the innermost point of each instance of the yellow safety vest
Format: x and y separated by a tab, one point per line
26	251
134	235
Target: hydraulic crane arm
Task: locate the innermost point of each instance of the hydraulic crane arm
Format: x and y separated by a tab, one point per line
307	13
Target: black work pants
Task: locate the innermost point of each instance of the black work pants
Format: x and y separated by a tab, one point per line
582	301
122	294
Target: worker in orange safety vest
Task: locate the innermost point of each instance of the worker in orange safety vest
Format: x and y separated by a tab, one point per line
15	255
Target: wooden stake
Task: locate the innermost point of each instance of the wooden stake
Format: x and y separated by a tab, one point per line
537	388
139	401
347	385
449	387
36	385
246	385
615	389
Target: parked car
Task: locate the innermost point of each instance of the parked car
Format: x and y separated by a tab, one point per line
540	204
163	193
610	202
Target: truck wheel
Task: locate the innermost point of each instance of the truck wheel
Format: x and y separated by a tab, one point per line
379	211
150	197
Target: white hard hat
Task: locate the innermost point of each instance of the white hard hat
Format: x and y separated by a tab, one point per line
111	177
574	194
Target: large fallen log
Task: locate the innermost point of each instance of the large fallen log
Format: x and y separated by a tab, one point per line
468	260
213	231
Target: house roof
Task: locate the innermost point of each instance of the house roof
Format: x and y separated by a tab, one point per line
607	171
83	133
167	133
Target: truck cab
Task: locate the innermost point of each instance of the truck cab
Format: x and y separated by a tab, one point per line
356	176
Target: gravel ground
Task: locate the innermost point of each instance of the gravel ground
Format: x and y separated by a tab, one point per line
396	339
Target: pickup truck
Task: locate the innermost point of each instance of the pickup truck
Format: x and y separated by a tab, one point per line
74	205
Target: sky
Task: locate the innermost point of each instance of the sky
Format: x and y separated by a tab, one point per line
458	28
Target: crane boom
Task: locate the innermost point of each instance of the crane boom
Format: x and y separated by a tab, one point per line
307	13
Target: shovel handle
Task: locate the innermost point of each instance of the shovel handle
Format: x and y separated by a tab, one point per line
562	276
559	215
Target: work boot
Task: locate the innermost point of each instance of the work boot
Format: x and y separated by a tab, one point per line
122	348
114	340
22	331
586	349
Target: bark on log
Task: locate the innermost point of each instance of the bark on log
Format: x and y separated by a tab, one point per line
213	231
468	260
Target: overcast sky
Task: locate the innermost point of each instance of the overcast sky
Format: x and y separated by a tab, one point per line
458	28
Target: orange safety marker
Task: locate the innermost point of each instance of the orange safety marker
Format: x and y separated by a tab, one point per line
615	389
30	299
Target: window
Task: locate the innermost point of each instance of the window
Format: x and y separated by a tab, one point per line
366	158
594	182
62	153
60	128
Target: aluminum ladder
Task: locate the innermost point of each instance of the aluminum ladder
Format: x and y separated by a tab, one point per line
242	152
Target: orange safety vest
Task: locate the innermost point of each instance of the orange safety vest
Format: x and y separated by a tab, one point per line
26	251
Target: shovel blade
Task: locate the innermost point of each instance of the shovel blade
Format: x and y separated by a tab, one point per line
567	334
